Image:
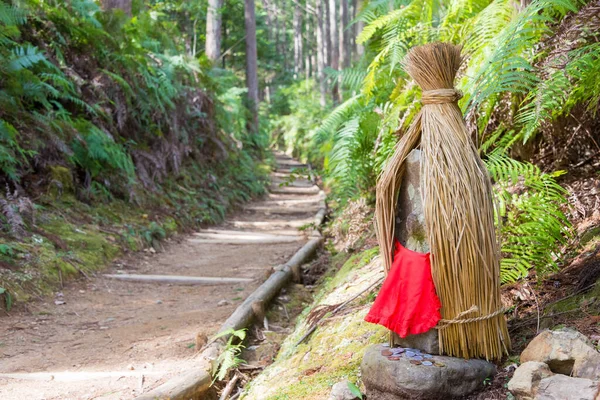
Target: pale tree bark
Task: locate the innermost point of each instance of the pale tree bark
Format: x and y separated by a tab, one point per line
335	47
251	65
269	22
345	48
124	5
327	31
359	49
321	51
284	36
314	48
277	19
213	30
297	24
353	30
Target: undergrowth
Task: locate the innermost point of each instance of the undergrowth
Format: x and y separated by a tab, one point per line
113	136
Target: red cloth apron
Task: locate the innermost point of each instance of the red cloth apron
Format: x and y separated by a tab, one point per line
407	303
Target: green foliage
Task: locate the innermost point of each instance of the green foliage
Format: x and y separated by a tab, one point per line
228	359
7	297
355	390
523	70
134	112
530	216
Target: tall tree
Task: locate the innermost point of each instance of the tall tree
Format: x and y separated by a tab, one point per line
345	48
335	47
213	29
251	65
360	25
297	25
124	5
321	51
327	31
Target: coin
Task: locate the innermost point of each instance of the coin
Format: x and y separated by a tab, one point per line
428	363
415	362
393	358
398	350
439	364
386	353
427	356
410	353
418	358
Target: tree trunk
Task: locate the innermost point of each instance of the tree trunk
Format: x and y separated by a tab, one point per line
335	46
297	39
269	21
124	5
327	31
321	51
284	37
251	65
359	49
213	30
344	35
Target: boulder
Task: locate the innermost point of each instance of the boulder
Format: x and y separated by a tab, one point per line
341	391
453	377
565	351
562	387
525	380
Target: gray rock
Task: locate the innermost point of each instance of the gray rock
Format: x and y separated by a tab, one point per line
341	391
566	351
427	342
410	220
410	231
562	387
393	380
526	379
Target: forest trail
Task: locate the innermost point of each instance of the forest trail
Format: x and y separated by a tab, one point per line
115	339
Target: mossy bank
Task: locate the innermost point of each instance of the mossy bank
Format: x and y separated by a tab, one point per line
64	237
334	351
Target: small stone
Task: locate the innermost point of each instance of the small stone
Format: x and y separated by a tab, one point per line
341	391
59	302
223	303
130	367
565	387
386	345
565	351
526	377
158	301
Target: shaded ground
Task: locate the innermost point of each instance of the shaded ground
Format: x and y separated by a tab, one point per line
109	339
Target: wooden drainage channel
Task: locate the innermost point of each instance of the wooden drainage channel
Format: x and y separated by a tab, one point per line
196	382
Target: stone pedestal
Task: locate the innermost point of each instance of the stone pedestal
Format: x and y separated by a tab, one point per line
447	378
410	232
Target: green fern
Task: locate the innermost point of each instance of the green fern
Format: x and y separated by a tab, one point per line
228	359
530	217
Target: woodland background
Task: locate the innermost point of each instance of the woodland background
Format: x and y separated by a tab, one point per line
124	121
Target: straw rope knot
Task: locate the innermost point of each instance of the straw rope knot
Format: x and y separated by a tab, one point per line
444	323
441	96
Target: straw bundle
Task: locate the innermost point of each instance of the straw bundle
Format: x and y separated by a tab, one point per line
458	210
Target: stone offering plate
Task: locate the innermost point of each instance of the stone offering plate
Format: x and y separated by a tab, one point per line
407	378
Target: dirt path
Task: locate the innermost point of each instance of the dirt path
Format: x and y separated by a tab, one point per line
114	339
